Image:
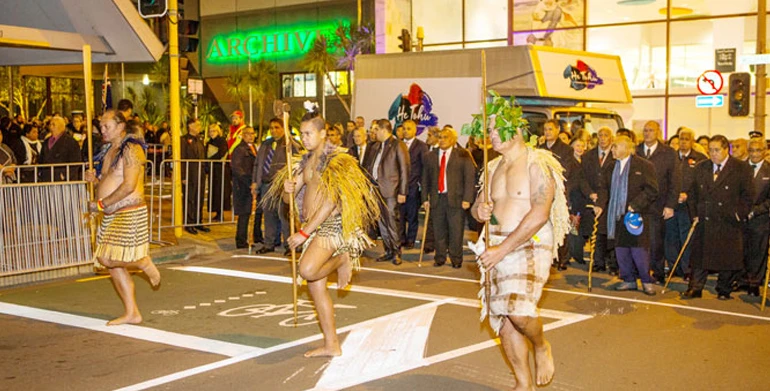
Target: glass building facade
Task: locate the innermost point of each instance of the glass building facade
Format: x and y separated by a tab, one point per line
664	45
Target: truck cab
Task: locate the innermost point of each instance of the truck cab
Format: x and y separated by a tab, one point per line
591	118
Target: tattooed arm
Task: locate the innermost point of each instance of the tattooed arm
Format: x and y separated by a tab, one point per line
126	194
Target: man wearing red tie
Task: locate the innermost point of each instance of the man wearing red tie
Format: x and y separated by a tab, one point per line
448	180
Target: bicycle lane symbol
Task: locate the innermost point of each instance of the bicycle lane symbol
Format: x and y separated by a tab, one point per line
304	317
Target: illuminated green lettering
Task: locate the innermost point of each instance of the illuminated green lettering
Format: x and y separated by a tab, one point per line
272	43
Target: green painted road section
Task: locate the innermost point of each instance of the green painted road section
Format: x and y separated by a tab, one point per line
232	309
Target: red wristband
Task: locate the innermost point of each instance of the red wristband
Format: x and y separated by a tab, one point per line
100	205
301	232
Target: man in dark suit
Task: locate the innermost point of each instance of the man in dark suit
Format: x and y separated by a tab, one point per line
193	176
431	141
553	143
389	166
271	159
448	179
407	228
60	147
360	146
758	226
638	196
597	165
667	171
678	227
720	204
242	165
566	157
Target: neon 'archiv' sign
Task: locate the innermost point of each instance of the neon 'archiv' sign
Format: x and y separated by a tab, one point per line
284	42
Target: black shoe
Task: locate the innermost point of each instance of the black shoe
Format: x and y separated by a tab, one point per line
408	245
457	265
692	294
203	228
724	296
242	246
191	230
396	260
428	250
438	264
562	267
385	258
581	262
753	291
614	272
287	252
265	250
597	269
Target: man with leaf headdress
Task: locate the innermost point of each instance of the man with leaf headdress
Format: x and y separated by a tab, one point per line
528	219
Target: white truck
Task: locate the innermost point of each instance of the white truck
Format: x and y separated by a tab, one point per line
444	88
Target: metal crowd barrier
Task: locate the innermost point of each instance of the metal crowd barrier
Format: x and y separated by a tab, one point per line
198	191
44	224
44	229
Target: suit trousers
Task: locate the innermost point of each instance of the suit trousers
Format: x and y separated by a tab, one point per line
242	231
631	260
657	234
677	229
276	223
388	224
576	244
449	228
407	225
193	197
724	281
757	233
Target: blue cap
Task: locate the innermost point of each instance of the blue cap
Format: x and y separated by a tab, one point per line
634	223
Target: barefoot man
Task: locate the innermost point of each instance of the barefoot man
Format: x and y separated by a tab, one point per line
528	221
123	239
336	205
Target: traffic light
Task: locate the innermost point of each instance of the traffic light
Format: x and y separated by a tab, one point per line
152	8
740	93
406	41
188	36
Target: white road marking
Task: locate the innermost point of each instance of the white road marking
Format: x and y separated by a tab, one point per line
374	352
220	301
205	304
130	331
234	298
248	356
594	295
189	307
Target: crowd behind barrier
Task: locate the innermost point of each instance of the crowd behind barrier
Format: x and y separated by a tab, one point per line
231	170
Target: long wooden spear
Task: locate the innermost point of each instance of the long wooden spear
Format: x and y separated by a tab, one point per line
285	109
487	283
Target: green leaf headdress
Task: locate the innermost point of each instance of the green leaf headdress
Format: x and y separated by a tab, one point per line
508	120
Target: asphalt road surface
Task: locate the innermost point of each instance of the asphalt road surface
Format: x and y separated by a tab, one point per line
224	321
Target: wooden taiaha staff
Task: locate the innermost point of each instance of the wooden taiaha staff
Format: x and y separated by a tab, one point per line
592	243
767	280
424	235
678	258
285	108
485	188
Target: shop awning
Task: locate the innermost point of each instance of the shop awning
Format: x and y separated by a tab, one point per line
48	32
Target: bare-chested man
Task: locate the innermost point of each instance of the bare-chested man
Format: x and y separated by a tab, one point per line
123	239
336	203
530	221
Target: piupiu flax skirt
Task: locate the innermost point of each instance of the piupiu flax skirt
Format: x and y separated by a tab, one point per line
123	236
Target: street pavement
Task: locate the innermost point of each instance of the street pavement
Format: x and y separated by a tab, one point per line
224	320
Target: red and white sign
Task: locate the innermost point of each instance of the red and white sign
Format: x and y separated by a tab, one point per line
710	82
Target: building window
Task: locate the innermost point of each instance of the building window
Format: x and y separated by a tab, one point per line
341	79
298	85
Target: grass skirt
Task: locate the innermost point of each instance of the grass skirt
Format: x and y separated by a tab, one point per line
123	236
